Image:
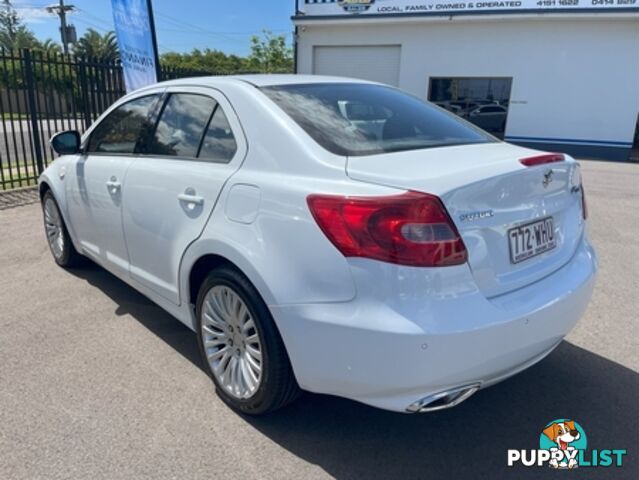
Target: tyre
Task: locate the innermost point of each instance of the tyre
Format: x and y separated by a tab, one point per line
60	244
241	348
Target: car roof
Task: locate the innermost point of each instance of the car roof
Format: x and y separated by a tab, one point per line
262	80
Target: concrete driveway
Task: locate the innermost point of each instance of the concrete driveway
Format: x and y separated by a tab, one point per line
97	382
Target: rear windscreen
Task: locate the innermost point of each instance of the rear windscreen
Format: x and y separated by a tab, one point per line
364	119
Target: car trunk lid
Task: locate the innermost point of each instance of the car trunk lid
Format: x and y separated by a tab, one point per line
488	192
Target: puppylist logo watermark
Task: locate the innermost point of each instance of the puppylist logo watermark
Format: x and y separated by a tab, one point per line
563	445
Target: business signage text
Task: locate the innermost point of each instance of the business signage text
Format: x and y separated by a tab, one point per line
390	7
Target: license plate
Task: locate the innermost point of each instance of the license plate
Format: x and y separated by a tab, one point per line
531	239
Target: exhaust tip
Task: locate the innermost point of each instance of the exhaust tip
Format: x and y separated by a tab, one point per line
443	400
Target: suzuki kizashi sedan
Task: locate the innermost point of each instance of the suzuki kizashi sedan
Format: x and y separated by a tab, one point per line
327	234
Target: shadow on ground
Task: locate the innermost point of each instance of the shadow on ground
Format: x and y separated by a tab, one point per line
350	440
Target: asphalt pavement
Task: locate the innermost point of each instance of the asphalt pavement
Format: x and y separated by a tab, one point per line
96	382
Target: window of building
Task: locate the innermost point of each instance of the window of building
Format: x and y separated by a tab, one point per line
483	101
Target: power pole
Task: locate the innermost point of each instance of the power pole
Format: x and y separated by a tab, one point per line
61	11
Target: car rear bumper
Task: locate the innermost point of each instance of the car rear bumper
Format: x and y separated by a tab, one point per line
429	331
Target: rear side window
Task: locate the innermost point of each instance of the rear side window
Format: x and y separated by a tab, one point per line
357	119
181	125
219	143
122	129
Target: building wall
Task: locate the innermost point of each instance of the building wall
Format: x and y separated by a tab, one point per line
575	80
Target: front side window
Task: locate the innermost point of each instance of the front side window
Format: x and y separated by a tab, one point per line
364	119
122	129
181	126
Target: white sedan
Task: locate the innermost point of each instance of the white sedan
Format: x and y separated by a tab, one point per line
327	234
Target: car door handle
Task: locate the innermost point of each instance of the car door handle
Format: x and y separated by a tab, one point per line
113	185
188	198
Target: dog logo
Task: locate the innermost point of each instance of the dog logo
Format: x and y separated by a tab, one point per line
562	445
563	438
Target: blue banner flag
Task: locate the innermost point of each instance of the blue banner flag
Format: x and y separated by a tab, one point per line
133	29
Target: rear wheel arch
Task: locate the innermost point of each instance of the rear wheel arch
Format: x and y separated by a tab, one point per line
200	269
276	384
206	263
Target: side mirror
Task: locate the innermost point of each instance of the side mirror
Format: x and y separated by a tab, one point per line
66	143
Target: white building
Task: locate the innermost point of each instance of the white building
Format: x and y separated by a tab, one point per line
559	75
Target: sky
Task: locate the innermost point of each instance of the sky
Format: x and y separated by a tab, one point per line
181	25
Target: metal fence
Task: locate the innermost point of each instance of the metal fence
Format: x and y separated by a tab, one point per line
43	93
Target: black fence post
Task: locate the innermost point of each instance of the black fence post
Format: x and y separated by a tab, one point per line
32	111
84	92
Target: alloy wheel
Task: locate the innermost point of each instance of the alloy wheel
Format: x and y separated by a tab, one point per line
231	342
54	228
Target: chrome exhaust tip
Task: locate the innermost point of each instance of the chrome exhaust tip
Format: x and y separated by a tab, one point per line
443	400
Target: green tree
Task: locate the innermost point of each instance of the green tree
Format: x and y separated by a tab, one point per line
51	47
270	54
206	61
94	45
13	34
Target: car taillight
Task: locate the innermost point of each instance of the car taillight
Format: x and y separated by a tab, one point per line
542	159
408	229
